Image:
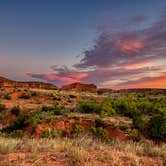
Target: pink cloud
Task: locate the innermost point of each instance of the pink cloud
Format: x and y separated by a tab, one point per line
127	57
79	75
137	65
127	46
71	78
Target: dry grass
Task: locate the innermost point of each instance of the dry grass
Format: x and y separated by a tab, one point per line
143	148
82	150
118	120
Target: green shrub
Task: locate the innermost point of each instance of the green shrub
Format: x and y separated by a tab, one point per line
16	134
125	128
127	108
138	123
103	109
77	129
54	110
58	112
100	133
107	110
34	94
2	107
145	106
99	123
56	98
88	107
24	96
157	127
20	122
38	117
7	97
50	133
135	135
51	95
72	96
15	110
47	108
64	133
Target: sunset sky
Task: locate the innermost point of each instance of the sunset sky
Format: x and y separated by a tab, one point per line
112	43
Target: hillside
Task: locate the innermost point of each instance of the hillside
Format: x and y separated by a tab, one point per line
4	82
75	126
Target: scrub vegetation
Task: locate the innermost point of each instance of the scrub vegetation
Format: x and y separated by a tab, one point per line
77	127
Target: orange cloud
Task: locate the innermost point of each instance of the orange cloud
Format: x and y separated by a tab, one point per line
66	79
136	65
157	82
80	75
127	46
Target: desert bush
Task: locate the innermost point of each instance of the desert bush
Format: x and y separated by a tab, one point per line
7	97
58	112
45	114
88	107
50	133
47	108
107	109
2	107
15	110
16	134
51	95
19	123
77	129
127	108
136	136
56	98
34	94
138	122
101	133
72	96
59	109
125	128
124	106
145	106
130	106
54	110
99	122
24	96
103	109
38	117
157	127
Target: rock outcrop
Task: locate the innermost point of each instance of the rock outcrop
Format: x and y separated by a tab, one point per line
66	125
39	85
80	87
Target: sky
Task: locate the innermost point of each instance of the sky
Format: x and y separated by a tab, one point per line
113	43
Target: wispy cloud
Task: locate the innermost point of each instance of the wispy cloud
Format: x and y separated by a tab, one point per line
61	75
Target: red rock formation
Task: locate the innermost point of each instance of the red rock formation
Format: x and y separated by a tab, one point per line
117	133
64	125
67	124
80	87
9	83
